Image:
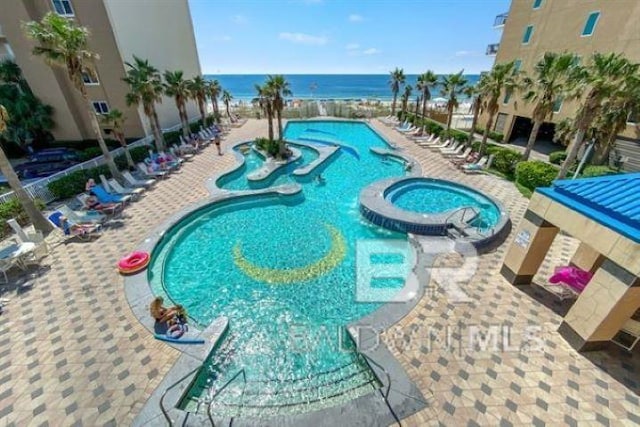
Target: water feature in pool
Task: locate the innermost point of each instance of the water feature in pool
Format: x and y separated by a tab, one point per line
433	197
282	269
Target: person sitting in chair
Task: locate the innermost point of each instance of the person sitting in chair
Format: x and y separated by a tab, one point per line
160	313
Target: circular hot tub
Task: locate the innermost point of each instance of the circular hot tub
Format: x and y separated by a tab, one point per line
438	207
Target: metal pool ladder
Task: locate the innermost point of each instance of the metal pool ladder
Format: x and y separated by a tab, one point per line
242	373
162	408
368	360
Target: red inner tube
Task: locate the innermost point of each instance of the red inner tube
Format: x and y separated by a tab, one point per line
134	261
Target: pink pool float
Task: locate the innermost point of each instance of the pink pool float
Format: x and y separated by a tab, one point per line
572	277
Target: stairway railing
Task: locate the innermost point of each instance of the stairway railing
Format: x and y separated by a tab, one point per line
221	389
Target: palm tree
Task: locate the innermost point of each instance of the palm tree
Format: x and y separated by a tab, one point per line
34	214
279	88
418	101
265	100
10	73
615	113
544	88
405	98
473	93
114	119
397	79
198	88
145	87
177	87
453	85
601	80
502	77
63	43
426	83
226	99
213	87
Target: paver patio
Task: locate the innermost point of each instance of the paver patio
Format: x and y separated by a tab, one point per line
71	352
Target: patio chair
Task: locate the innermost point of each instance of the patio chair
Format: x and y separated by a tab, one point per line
151	174
105	197
446	143
7	261
135	193
462	155
482	165
41	249
83	217
72	230
185	156
144	183
112	209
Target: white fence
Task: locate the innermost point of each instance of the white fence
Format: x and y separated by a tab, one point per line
40	189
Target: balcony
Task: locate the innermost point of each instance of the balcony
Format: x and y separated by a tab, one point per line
500	20
492	49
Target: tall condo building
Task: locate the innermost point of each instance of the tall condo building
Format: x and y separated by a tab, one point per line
583	27
158	30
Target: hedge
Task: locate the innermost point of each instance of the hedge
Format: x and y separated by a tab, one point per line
455	134
72	184
557	157
535	173
13	209
504	159
496	136
593	170
90	153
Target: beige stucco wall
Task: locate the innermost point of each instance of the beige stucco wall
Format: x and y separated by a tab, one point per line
558	26
162	32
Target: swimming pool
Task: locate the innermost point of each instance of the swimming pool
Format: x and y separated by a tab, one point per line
283	270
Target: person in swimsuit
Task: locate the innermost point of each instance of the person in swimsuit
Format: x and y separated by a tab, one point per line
160	313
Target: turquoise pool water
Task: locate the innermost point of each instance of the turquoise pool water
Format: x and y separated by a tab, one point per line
440	197
282	269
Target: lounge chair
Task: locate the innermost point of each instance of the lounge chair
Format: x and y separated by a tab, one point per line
153	174
41	249
453	151
71	230
107	209
83	217
444	144
135	193
105	197
404	126
184	156
429	142
117	191
462	155
144	183
480	166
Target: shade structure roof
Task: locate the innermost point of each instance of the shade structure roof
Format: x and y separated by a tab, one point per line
612	200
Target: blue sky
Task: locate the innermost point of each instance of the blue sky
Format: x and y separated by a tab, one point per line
344	36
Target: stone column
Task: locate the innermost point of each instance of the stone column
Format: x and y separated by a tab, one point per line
527	251
586	258
605	305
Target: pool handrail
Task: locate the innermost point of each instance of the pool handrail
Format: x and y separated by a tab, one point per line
162	408
221	389
462	209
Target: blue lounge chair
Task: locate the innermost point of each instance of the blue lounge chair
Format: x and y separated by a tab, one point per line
105	197
67	227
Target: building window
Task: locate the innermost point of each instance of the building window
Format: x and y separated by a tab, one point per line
527	34
517	64
63	7
101	107
537	4
557	105
590	25
507	97
89	80
501	121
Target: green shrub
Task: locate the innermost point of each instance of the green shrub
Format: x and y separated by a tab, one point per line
13	209
268	145
496	136
505	159
90	153
455	134
74	183
557	157
593	170
172	138
535	173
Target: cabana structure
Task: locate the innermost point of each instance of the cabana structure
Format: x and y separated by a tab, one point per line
604	214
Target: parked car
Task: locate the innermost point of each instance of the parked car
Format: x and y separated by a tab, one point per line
47	162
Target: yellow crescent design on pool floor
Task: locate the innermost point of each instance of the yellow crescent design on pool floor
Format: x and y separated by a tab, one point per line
271	275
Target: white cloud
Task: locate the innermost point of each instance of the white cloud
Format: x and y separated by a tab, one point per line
354	17
302	38
352	46
371	51
467	53
239	19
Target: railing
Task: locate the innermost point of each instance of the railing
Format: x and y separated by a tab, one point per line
464	210
39	189
370	361
162	408
500	20
221	389
492	49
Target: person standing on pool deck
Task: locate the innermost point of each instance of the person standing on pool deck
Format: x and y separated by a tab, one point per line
217	142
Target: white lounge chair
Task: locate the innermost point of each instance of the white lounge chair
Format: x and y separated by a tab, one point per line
154	174
145	183
482	165
136	192
40	250
88	217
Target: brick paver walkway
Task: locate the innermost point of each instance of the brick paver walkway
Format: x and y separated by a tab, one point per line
71	351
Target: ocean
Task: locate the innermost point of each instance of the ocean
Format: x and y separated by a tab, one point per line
322	86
